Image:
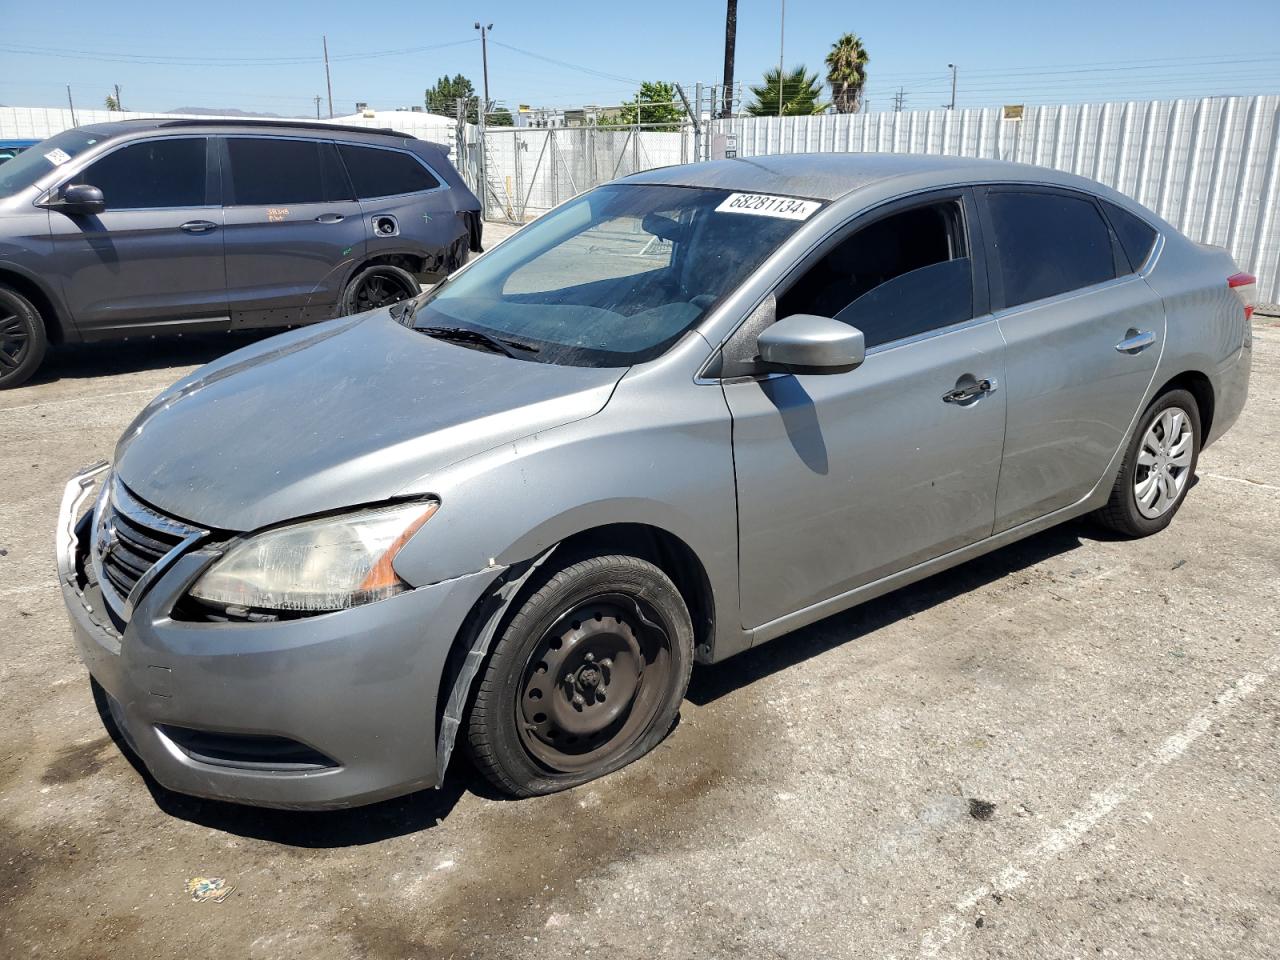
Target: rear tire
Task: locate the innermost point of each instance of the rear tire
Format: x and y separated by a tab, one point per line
587	676
23	341
1158	467
375	287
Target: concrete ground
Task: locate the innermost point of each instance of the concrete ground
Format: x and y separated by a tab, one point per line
1066	749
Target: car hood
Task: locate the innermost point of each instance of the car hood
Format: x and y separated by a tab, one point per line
347	413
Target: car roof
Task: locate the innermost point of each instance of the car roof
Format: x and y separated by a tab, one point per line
829	176
120	128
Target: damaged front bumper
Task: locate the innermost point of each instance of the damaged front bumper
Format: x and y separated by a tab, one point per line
326	711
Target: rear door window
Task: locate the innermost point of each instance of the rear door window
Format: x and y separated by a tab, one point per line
274	172
1048	243
900	276
385	173
1137	237
151	174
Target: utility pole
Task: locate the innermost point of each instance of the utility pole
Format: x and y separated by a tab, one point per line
952	68
316	98
72	106
327	82
899	100
730	41
484	56
782	46
119	105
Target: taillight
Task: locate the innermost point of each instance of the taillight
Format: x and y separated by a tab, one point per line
1245	286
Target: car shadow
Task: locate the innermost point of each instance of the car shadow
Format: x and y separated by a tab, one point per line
426	809
84	361
709	683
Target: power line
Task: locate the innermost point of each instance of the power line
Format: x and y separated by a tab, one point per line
167	61
568	66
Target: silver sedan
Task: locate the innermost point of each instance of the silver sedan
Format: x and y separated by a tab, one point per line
678	416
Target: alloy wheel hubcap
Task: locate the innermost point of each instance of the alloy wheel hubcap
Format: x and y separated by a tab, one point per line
1164	463
380	291
13	342
592	684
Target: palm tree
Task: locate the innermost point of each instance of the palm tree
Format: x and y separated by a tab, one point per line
800	92
847	73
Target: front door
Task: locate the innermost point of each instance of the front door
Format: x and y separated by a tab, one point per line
154	256
1082	346
294	229
846	478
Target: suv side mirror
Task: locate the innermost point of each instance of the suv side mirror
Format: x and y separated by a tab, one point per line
804	343
81	198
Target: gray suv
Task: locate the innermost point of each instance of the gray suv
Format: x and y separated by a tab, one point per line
149	226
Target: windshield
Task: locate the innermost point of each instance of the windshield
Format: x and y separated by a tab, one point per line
34	162
612	278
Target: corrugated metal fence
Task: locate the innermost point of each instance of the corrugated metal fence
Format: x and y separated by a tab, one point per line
1210	167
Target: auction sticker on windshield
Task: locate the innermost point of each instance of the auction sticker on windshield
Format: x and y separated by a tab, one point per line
57	157
763	205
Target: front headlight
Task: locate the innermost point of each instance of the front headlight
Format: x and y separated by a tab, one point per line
318	565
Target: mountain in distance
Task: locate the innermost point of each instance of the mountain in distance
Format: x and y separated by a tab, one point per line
228	112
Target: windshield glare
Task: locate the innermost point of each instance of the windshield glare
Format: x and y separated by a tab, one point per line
33	163
609	279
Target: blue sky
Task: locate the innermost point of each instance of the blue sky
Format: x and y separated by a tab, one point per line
265	56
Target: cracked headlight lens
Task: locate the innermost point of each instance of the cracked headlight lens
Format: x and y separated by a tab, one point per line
318	565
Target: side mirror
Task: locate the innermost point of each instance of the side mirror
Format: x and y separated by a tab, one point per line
81	198
804	343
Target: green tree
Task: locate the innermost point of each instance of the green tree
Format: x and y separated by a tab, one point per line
112	102
443	97
847	73
654	106
500	117
800	92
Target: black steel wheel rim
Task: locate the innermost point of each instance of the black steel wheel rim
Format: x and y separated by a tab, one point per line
15	339
594	683
380	290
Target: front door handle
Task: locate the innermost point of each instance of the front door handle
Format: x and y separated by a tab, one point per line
1135	341
330	218
199	226
971	391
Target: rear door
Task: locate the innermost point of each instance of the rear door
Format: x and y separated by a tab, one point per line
155	254
294	229
1084	333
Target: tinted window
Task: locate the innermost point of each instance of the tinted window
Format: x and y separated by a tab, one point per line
268	172
153	173
1048	244
33	164
898	277
1136	236
385	173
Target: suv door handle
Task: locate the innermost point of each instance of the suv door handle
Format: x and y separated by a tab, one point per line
198	226
1135	341
330	218
971	391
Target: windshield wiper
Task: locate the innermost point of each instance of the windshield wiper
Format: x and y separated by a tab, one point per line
496	344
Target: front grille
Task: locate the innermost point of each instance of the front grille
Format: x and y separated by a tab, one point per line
129	540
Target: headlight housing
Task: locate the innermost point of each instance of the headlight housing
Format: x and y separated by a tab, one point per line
319	565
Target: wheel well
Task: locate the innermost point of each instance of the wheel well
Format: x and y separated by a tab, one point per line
404	261
1198	385
32	291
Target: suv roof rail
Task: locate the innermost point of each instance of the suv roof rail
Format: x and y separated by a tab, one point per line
293	124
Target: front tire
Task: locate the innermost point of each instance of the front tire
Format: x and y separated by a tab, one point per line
23	341
588	676
1158	467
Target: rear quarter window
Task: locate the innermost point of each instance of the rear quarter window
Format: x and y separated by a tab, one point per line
385	173
1137	237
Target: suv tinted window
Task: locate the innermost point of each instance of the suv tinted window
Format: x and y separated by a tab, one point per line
152	173
898	277
1136	236
1048	243
385	173
268	172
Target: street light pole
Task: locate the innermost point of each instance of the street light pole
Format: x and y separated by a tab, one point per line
952	67
484	56
782	45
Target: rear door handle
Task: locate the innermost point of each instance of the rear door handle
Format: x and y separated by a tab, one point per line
1135	341
971	390
330	218
198	226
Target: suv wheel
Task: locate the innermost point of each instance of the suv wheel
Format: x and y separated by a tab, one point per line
588	675
377	286
23	341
